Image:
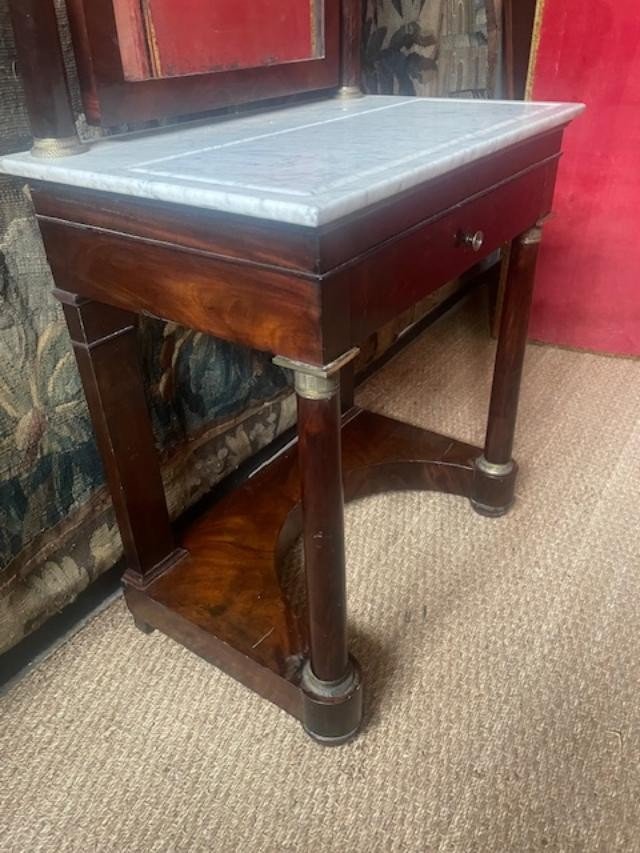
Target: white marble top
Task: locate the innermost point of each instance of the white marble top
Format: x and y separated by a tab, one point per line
306	164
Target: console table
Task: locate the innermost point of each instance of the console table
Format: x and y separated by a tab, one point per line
298	231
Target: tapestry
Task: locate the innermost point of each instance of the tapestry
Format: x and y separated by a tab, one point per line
430	47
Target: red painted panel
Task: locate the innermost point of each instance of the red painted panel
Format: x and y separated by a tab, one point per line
588	289
194	36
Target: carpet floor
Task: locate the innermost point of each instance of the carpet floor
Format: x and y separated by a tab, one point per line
502	662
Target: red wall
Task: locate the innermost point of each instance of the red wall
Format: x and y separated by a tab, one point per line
588	288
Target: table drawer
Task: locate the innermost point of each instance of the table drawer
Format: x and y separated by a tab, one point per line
395	275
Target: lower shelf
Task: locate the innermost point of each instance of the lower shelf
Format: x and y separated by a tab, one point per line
226	599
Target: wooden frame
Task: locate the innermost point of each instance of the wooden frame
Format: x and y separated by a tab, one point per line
111	99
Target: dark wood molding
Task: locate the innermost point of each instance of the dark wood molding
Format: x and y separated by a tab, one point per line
385	282
261	308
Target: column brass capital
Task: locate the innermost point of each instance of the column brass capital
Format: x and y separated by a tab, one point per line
533	236
494	469
317	382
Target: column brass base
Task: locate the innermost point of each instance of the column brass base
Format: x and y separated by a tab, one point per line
493	487
53	147
332	711
349	92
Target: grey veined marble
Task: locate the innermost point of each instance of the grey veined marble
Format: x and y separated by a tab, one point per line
307	164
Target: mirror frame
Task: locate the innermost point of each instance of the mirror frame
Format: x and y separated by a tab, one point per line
110	99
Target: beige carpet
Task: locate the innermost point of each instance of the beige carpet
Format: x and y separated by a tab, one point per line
502	660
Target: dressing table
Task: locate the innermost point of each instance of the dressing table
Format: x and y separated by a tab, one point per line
298	229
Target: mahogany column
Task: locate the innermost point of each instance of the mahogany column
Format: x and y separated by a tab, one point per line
331	678
495	471
41	69
351	48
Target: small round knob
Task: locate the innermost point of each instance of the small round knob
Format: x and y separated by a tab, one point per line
474	241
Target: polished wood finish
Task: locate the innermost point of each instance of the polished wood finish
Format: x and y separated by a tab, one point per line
105	346
516	308
324	555
84	59
41	69
260	307
111	100
495	471
222	235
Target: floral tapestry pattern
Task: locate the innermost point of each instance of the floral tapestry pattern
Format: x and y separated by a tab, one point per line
430	47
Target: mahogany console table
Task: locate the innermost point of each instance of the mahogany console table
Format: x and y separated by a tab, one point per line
298	231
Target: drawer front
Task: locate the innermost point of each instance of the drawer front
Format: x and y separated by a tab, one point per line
386	281
345	239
